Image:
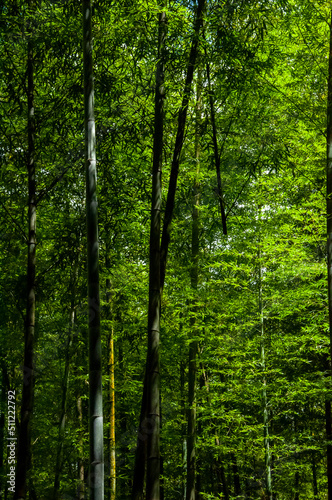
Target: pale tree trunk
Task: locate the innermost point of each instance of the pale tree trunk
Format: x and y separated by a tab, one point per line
24	439
192	374
329	254
96	473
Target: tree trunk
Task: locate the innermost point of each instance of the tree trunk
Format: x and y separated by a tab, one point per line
329	253
328	427
236	476
80	488
192	374
112	418
184	430
268	478
24	440
153	364
62	421
96	474
137	492
314	476
216	153
111	367
179	143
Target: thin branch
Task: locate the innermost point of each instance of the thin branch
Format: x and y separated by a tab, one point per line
51	186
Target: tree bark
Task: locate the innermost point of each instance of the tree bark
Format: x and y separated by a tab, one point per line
80	487
216	153
314	475
62	421
179	142
236	476
153	363
329	252
24	440
137	492
192	375
268	477
96	474
152	366
184	429
112	418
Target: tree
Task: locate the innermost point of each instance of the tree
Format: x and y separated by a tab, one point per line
95	383
24	441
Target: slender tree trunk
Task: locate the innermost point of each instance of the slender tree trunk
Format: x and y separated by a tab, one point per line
328	427
153	364
111	364
314	476
112	417
297	484
137	492
192	375
216	153
184	430
152	367
80	488
179	142
268	478
236	476
220	470
96	474
62	421
24	440
329	254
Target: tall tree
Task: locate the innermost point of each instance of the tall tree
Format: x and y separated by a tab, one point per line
96	474
329	252
192	372
179	139
153	363
24	440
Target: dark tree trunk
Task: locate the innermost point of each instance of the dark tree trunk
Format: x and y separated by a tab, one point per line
153	364
329	252
150	410
314	475
96	473
328	426
24	440
179	143
152	414
80	487
217	155
192	374
236	476
62	421
137	492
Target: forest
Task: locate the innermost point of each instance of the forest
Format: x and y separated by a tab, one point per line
165	250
